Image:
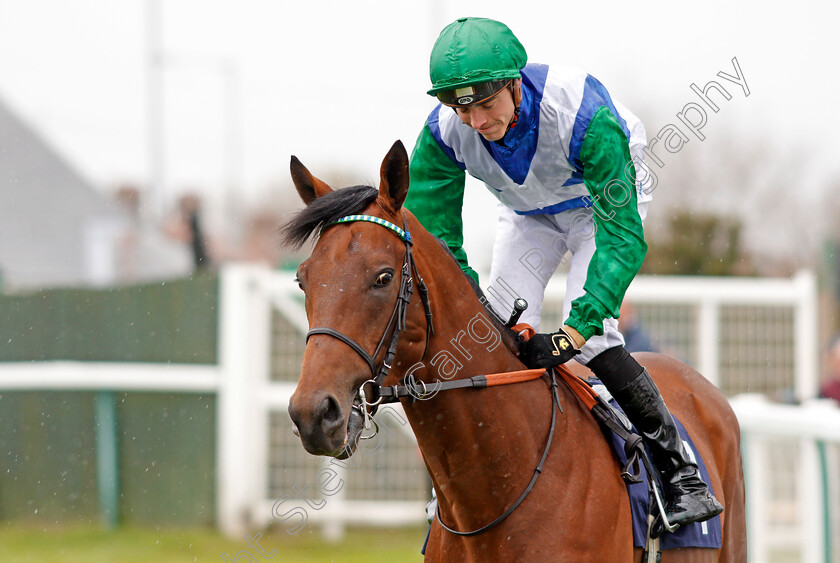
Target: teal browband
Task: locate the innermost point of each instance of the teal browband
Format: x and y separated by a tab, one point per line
404	235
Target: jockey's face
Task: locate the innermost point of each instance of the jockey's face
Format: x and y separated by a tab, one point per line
491	117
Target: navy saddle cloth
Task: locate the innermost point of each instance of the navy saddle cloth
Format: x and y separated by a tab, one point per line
697	534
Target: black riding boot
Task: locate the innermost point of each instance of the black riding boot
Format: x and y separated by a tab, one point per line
687	498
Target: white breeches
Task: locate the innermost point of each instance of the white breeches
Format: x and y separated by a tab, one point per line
528	250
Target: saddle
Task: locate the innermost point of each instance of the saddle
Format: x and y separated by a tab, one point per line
640	477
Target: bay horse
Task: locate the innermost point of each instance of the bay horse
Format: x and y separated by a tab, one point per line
480	447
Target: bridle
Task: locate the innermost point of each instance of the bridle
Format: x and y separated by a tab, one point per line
396	324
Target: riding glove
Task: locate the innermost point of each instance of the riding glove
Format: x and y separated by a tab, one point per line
549	350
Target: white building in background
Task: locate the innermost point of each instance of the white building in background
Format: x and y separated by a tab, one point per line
57	230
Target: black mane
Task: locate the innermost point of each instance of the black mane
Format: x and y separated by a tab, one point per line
324	210
350	201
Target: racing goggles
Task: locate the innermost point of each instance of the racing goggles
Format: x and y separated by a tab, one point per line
472	94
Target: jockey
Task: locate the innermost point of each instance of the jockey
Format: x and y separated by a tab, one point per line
561	157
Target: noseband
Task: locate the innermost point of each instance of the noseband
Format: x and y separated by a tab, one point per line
396	323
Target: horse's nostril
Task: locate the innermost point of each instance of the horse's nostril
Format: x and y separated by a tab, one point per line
330	414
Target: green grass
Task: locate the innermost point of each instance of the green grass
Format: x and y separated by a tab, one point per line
24	544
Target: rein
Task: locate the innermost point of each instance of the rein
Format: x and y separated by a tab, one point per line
555	408
421	391
392	394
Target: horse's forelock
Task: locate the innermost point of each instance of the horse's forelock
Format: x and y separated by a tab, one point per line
325	210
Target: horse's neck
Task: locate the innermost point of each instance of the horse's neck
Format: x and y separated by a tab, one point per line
467	434
475	441
466	341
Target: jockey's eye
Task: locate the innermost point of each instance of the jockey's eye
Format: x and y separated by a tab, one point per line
384	278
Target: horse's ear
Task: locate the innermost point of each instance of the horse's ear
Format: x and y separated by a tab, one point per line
308	186
393	178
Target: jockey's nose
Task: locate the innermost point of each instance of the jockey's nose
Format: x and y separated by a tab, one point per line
477	118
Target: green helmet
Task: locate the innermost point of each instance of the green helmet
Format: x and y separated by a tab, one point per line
472	59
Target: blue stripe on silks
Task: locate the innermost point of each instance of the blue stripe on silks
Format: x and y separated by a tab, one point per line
582	201
595	96
521	141
577	178
434	129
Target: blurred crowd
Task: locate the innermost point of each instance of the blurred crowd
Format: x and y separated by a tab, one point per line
830	388
200	244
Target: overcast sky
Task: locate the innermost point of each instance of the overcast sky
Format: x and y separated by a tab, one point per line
337	82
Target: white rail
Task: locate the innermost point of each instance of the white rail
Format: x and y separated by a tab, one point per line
709	294
764	425
111	376
246	397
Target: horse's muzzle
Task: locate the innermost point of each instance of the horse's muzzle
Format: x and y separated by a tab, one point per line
326	429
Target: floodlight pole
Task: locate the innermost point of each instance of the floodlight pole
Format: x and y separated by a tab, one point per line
155	124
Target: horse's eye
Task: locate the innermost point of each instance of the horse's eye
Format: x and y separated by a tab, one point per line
297	281
384	279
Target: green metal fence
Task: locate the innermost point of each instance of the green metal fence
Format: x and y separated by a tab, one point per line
161	445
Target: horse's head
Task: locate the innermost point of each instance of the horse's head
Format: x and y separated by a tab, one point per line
353	281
